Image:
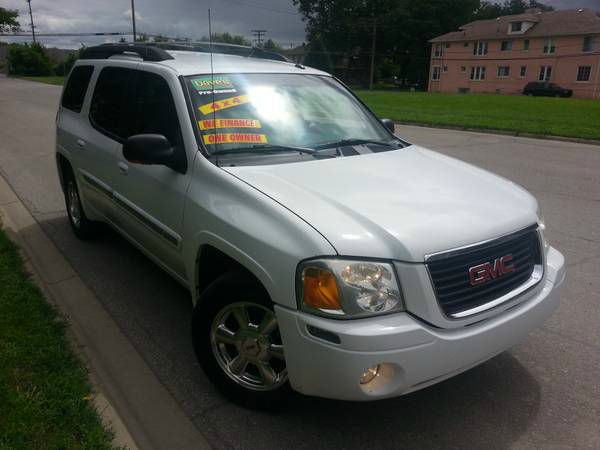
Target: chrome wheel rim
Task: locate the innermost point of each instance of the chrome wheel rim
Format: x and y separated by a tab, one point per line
74	205
246	343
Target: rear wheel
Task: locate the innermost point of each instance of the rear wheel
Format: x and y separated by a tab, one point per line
237	342
82	227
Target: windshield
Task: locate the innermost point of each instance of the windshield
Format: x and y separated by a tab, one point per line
278	111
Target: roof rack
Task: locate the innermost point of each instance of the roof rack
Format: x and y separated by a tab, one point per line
105	51
218	47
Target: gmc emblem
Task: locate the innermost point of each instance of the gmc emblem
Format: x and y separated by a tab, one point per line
485	272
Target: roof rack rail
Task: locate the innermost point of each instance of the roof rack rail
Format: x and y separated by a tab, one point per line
105	51
218	47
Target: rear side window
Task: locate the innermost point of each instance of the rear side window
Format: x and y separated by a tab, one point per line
111	108
77	87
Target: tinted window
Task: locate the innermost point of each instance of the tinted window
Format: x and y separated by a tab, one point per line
111	106
77	87
155	111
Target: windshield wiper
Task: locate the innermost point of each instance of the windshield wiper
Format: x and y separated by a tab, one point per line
265	149
348	142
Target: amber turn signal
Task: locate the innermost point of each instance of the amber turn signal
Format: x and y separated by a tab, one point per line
320	289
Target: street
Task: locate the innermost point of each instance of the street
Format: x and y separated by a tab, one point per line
544	393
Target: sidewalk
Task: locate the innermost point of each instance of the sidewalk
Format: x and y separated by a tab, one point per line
130	399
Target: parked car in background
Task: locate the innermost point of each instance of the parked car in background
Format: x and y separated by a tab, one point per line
546	89
322	253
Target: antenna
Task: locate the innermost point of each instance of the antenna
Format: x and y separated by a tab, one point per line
212	82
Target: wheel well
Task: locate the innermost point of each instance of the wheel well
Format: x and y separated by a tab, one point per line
64	169
212	263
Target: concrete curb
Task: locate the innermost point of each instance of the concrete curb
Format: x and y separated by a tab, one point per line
504	133
129	398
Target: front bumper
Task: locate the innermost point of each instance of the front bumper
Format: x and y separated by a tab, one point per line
413	354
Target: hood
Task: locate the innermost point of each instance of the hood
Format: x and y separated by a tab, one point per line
403	204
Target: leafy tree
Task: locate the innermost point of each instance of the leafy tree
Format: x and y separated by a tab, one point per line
63	68
8	21
227	38
272	46
489	10
28	59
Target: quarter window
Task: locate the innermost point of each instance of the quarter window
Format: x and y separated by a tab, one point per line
589	42
435	74
503	71
478	73
77	87
480	48
506	46
545	73
583	73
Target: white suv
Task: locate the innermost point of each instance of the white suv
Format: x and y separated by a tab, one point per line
322	253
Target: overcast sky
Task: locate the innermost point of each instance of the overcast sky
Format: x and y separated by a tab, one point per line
184	18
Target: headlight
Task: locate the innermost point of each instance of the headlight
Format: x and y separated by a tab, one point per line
348	289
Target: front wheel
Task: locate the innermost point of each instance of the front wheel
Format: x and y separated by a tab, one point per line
237	342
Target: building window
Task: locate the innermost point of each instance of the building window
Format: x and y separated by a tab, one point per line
445	68
437	51
478	73
549	46
583	73
466	44
589	42
516	27
463	69
435	73
448	45
480	48
545	73
506	46
526	44
503	71
523	72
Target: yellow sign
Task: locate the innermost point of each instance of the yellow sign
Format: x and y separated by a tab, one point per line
229	123
227	103
235	138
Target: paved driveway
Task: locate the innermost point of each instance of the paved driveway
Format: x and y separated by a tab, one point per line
543	393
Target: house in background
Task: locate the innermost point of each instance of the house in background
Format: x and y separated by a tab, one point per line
502	55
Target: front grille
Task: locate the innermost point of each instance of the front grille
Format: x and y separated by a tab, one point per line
450	271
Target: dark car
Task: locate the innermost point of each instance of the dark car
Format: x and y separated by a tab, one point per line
546	89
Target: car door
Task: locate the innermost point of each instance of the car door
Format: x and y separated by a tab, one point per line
150	198
106	128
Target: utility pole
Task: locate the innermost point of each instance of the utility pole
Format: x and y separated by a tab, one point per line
373	47
258	36
31	18
132	18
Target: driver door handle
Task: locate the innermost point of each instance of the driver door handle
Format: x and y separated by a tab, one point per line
81	143
123	168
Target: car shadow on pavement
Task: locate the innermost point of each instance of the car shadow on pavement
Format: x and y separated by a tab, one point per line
490	405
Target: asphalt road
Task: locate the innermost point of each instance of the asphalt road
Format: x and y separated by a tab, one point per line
544	393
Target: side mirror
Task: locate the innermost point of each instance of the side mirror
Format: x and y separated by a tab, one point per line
153	149
389	124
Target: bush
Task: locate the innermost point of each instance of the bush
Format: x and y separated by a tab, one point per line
29	60
63	68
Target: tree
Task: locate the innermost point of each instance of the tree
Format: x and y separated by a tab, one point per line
227	38
8	21
272	46
488	10
28	59
63	68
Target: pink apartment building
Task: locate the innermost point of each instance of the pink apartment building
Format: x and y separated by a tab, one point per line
504	54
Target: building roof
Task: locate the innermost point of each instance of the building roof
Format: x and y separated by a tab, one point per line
551	23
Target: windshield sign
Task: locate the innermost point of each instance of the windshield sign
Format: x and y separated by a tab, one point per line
279	112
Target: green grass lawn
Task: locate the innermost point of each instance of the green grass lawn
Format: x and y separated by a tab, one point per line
58	80
569	117
44	392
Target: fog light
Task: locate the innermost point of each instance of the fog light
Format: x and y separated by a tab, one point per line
369	375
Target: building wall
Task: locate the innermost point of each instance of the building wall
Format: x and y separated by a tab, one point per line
456	61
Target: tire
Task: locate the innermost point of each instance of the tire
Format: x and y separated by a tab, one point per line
82	227
245	363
